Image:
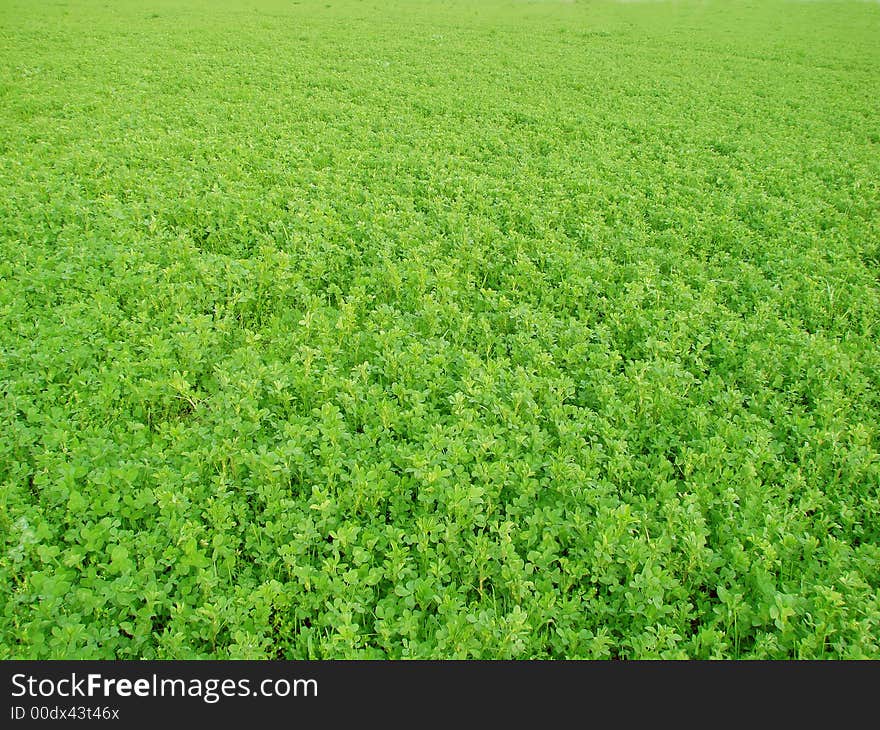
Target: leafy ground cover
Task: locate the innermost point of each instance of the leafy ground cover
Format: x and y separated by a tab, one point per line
345	328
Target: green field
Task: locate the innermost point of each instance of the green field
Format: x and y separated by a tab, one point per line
489	329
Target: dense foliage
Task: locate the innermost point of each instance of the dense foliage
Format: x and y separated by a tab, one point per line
348	328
